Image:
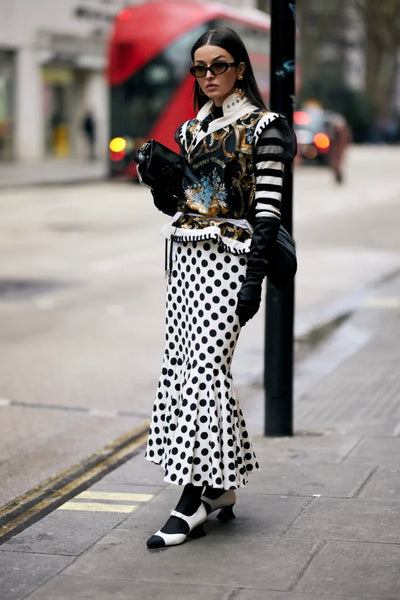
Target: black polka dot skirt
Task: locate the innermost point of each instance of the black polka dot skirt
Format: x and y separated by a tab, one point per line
198	433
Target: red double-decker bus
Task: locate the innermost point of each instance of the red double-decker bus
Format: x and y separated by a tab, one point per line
148	61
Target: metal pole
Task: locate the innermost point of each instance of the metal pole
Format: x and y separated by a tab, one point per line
279	322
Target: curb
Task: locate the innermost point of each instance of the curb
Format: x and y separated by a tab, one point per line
25	510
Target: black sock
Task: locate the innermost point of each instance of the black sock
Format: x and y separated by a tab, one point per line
188	503
190	500
213	493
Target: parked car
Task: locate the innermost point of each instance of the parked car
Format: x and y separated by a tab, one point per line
322	137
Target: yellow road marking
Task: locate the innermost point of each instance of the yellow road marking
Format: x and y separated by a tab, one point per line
28	508
98	507
121	496
383	302
109	505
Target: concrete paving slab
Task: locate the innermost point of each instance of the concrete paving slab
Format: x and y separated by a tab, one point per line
257	515
371	427
355	424
268	595
158	508
383	485
310	480
306	447
70	532
65	532
22	573
265	515
109	483
377	451
357	396
219	561
354	569
353	520
92	588
137	471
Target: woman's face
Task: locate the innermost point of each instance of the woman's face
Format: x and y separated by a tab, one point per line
217	87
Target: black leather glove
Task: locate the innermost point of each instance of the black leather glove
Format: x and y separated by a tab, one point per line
249	300
165	200
249	297
161	169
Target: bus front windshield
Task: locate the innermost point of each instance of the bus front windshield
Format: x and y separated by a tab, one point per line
137	103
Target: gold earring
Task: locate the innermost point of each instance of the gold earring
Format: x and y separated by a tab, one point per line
239	90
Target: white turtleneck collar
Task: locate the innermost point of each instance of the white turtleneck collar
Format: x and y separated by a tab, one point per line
233	107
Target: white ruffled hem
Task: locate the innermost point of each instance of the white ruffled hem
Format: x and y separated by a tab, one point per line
213	232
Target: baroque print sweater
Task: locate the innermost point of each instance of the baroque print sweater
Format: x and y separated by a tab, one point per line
234	159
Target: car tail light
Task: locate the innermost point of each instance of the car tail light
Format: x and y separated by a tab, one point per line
117	148
117	144
300	117
322	142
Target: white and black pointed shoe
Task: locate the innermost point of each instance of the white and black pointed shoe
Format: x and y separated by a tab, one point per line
225	502
193	526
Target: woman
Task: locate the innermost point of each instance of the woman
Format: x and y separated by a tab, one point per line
222	231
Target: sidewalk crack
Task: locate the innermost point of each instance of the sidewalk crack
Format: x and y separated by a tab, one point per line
296	515
234	593
314	551
364	483
352	449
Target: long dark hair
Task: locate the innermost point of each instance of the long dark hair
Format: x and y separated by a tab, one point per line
230	41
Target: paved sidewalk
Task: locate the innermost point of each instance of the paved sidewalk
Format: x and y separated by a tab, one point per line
320	521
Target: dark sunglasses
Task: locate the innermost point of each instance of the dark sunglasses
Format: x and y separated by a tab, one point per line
216	68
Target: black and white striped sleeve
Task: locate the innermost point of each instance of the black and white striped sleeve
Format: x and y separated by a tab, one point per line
275	145
270	154
269	177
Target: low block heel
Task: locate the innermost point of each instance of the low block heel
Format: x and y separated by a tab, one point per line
197	532
226	513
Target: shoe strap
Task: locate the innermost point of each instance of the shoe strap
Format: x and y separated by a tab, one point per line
193	520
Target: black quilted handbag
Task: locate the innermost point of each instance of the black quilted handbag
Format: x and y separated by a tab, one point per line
282	265
160	168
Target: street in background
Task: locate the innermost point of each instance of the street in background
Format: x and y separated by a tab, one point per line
323	137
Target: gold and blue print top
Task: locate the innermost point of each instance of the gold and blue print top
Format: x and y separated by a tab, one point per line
226	181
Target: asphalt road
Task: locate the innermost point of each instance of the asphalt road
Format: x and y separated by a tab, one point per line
82	302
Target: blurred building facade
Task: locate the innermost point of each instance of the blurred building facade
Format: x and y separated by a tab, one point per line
52	59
